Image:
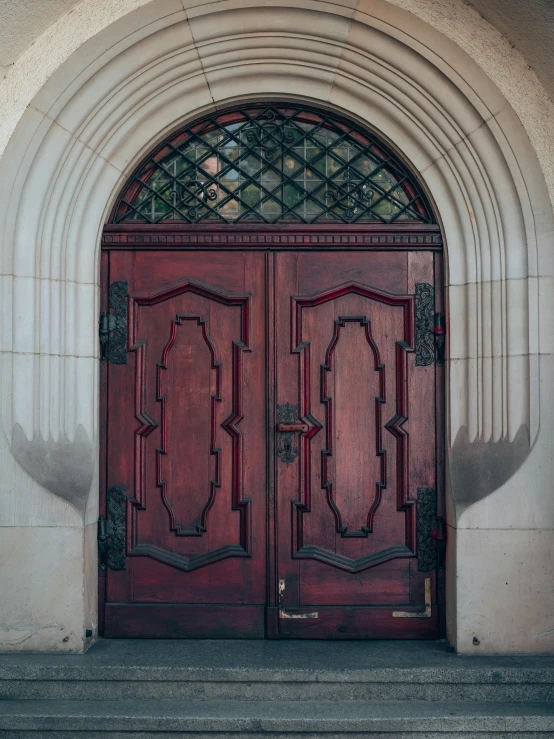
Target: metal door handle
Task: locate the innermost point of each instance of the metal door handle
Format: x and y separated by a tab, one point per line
287	428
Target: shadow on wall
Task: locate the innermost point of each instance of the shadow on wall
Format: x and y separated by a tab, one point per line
62	466
478	468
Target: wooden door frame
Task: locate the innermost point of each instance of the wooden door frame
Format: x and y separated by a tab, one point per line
283	237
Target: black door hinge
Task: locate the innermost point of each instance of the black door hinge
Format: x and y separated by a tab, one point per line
113	325
112	530
429	326
431	532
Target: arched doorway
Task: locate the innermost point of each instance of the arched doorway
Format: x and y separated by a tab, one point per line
271	385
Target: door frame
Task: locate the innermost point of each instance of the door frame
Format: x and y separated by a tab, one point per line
207	237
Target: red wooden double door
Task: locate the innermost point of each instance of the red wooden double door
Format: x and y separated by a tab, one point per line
270	446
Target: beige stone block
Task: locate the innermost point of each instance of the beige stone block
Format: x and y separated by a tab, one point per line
41	581
129	81
497	191
525	500
38	186
546	313
375	50
24	501
24	304
279	15
384	115
6	320
14	168
524	158
459	221
267	80
98	186
270	48
459	303
91	580
504	593
428	28
100	48
130	139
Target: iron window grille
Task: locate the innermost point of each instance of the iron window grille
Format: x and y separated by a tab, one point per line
270	163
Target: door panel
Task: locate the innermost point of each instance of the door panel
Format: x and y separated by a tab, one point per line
329	536
347	491
186	432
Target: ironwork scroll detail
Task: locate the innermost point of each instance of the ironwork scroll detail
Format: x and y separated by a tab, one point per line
424	310
287	450
117	341
112	549
271	134
426	517
271	163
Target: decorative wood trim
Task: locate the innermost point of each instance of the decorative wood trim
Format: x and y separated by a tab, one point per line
231	426
394	426
161	367
327	400
206	236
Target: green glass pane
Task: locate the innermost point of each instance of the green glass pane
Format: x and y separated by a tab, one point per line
291	195
400	194
291	164
364	164
250	195
230	209
382	208
273	159
271	207
250	165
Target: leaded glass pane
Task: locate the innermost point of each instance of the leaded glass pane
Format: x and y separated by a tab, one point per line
270	163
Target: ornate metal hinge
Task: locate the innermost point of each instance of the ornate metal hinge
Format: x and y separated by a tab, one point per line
111	530
113	325
431	531
430	330
288	424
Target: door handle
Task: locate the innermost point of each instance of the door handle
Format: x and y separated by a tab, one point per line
287	428
288	423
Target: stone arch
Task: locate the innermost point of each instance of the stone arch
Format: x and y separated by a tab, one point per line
150	72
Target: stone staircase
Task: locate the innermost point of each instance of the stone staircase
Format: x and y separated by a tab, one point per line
276	690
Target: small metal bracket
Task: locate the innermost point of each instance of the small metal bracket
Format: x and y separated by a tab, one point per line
287	614
113	325
418	614
111	530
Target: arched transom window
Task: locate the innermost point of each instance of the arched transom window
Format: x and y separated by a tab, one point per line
270	163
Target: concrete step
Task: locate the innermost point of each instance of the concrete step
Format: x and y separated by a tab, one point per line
275	719
277	685
274	671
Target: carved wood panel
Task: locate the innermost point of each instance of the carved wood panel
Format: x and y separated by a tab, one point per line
357	464
188	375
186	439
346	356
